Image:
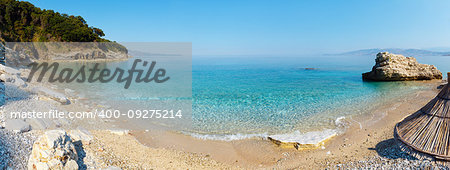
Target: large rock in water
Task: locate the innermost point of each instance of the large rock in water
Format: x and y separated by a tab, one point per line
392	67
53	150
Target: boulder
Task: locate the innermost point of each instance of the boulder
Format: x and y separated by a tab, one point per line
392	67
53	150
13	79
17	125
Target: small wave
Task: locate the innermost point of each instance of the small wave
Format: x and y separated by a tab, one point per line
296	136
314	137
227	137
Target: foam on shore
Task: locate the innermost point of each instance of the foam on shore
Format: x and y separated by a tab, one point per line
227	137
298	140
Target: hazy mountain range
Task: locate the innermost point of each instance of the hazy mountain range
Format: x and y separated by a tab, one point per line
405	52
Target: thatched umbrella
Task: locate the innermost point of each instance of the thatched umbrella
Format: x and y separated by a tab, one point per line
426	133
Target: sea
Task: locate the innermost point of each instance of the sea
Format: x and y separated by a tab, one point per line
239	97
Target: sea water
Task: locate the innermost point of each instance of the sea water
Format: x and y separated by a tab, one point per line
238	97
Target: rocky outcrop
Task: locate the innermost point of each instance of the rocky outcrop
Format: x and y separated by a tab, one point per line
22	54
392	67
53	150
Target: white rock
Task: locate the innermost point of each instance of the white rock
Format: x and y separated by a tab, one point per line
13	79
5	77
71	165
81	134
11	70
17	125
2	68
53	150
392	67
40	166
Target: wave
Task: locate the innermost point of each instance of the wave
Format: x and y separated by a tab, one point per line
312	137
227	137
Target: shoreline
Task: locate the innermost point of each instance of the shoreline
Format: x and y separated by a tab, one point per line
365	138
358	142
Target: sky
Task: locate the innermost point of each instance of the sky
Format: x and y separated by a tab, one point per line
266	27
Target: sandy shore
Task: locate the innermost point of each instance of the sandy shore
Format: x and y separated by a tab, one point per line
367	142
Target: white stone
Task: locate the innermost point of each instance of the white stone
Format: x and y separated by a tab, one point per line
11	70
2	68
392	67
53	150
17	125
81	134
71	165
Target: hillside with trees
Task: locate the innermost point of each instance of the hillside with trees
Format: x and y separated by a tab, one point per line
23	22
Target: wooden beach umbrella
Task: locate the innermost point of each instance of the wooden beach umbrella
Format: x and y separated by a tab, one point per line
426	133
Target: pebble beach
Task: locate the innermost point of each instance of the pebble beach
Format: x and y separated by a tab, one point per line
112	149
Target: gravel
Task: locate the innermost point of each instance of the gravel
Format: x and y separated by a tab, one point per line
15	149
390	156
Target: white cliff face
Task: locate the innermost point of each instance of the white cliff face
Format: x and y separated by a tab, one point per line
23	54
392	67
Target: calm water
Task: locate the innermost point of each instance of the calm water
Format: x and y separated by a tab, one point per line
273	95
250	95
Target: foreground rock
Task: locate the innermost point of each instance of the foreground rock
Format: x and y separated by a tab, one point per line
299	141
392	67
53	150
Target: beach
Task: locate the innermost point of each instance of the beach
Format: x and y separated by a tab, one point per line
366	142
224	85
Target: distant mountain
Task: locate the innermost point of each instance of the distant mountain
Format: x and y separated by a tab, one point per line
405	52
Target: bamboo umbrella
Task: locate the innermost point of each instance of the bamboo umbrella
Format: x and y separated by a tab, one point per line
426	133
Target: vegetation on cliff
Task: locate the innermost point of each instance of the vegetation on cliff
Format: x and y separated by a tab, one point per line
23	22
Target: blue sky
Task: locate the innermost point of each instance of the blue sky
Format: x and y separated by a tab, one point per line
260	27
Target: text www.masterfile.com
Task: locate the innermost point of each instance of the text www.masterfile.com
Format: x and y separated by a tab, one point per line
109	114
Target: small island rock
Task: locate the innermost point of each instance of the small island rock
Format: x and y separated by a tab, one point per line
392	67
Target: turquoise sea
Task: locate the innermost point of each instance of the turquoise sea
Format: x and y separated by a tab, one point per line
235	97
241	96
